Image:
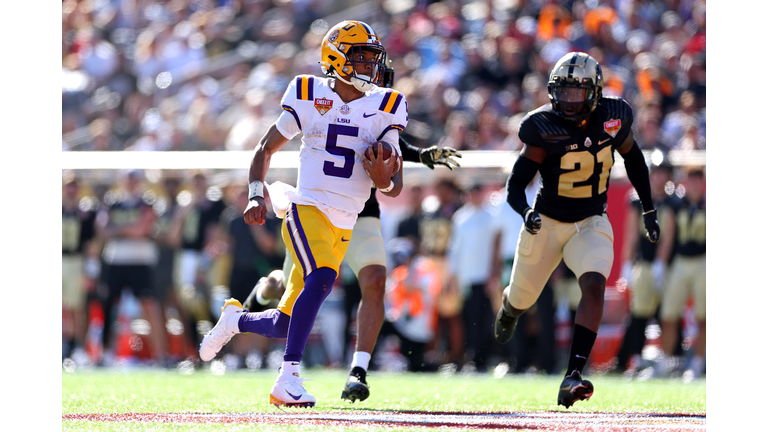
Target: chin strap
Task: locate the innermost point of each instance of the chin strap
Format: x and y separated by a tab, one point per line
355	82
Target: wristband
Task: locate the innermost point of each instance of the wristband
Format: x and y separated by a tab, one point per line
649	212
255	190
390	187
261	300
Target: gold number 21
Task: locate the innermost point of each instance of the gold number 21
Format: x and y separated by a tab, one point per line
586	168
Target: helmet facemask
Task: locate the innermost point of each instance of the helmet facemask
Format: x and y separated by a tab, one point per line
573	101
355	56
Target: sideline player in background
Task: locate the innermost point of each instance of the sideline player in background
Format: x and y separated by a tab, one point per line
687	275
130	255
77	231
645	263
340	117
367	257
571	143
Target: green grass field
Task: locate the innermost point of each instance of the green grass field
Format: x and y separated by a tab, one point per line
167	391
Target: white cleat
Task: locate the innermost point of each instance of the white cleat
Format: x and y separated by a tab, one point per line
290	392
223	331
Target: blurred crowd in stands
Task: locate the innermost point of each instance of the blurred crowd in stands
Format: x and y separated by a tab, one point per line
142	75
209	74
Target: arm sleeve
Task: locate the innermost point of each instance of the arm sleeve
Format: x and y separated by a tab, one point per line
410	153
637	172
523	172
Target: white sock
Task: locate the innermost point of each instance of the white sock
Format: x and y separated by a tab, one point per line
361	359
288	369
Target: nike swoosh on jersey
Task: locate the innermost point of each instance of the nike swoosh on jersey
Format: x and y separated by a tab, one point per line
368	115
294	397
344	240
601	142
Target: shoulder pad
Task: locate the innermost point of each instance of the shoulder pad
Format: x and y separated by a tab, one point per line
538	126
617	107
391	101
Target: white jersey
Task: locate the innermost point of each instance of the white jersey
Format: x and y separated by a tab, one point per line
336	134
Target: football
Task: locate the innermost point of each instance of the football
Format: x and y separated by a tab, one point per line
385	147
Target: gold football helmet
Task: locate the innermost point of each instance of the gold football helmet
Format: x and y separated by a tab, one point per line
341	49
575	85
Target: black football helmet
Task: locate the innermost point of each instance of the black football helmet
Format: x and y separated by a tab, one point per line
575	86
389	72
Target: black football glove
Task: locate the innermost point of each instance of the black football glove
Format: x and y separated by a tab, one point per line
651	226
532	221
432	156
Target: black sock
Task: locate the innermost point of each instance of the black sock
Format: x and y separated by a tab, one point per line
581	347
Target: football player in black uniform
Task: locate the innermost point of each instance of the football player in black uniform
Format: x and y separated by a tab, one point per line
367	257
77	231
125	223
687	274
645	263
571	142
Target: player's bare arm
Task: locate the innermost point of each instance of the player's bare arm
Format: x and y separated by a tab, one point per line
272	142
637	172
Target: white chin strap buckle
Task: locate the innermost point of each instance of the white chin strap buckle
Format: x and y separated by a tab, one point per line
362	82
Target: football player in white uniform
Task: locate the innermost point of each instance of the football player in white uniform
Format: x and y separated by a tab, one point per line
340	117
367	258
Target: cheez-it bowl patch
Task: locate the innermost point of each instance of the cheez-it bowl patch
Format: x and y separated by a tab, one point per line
323	105
612	127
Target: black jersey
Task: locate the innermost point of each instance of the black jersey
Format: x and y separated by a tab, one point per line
577	168
197	221
123	210
690	228
646	250
77	227
371	208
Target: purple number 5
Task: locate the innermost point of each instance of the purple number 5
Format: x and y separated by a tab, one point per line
329	168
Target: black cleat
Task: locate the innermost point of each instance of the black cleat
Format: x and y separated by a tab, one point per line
574	389
356	388
504	327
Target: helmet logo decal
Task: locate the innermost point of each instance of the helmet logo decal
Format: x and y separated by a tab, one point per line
334	35
612	127
323	105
